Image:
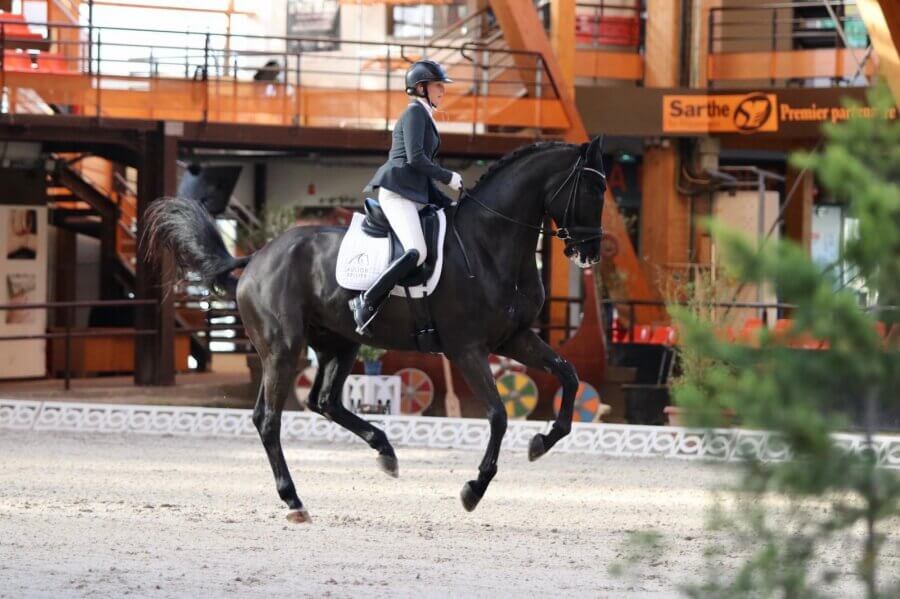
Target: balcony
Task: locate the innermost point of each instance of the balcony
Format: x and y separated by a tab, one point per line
289	81
797	44
609	41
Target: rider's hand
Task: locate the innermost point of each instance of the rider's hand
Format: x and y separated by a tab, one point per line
456	182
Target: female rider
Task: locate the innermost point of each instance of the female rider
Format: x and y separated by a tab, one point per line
405	183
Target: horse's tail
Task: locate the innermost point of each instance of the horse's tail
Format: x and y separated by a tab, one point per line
185	227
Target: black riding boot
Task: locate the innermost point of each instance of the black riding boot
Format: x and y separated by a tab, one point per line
366	305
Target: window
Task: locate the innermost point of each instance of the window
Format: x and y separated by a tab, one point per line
422	21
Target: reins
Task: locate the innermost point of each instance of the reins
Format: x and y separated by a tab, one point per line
564	232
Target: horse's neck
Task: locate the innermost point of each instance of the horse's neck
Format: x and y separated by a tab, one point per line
519	190
518	193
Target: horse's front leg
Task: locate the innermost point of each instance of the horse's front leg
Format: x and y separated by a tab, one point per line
527	348
475	369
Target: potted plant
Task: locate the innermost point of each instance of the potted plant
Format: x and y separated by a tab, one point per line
371	358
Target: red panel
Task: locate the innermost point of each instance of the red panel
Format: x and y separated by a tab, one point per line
607	30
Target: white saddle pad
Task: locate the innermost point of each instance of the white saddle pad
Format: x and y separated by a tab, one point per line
362	258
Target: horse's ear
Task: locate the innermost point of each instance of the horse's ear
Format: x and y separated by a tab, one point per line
583	150
593	155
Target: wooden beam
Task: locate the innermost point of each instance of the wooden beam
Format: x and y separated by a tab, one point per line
219	11
599	64
793	64
882	19
562	30
523	30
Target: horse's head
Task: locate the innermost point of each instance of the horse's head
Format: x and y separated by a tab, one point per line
577	205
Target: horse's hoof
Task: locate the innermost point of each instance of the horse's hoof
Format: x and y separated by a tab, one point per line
469	497
389	464
536	448
300	516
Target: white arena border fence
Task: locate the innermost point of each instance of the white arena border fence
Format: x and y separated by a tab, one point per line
421	431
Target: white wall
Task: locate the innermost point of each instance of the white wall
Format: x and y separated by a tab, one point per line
23	280
289	182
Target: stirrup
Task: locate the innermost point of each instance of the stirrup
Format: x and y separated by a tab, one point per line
357	304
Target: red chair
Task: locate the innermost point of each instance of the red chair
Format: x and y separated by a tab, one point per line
751	330
726	334
642	333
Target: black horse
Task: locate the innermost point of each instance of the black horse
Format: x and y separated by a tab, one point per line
486	302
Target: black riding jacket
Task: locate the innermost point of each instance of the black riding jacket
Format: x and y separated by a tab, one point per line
410	169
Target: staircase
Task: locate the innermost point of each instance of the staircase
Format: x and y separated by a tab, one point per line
87	194
474	51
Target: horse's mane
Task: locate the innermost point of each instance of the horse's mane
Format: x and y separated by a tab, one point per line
516	155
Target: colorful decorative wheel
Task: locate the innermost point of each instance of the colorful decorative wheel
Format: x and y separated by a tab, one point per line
416	392
304	384
519	394
501	365
587	403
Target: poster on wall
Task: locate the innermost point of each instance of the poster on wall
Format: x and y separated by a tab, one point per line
23	280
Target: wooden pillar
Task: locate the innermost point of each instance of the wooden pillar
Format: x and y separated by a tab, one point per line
154	356
798	216
260	175
65	273
562	30
108	256
665	216
662	44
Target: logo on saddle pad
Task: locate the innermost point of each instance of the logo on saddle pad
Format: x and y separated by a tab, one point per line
362	258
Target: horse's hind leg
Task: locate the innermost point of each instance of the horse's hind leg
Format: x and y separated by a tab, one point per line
336	364
279	370
477	372
530	350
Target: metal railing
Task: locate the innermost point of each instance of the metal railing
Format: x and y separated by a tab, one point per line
69	333
602	25
236	77
573	307
783	26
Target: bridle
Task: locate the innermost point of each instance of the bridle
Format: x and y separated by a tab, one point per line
565	232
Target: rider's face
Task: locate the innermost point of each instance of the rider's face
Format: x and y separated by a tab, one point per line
435	92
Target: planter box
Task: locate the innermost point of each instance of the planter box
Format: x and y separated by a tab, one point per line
105	354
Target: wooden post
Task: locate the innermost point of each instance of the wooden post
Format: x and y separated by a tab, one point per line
154	356
798	216
65	271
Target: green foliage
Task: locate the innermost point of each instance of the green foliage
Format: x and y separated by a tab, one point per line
367	353
275	220
803	396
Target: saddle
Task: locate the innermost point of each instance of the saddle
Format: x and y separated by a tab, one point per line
376	225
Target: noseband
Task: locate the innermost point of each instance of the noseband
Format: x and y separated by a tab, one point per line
565	232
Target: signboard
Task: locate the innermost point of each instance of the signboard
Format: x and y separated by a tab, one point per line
744	113
796	113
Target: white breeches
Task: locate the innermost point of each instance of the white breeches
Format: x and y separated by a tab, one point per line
403	215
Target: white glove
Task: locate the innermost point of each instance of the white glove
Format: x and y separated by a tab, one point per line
456	182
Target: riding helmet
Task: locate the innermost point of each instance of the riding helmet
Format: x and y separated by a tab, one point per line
424	71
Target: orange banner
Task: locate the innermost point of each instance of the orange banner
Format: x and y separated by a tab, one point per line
743	113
